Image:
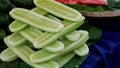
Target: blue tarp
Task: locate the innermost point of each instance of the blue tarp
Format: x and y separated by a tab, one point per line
106	52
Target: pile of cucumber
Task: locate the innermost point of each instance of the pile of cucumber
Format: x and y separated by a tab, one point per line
45	36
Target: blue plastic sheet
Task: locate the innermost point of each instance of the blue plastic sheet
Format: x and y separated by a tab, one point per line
106	52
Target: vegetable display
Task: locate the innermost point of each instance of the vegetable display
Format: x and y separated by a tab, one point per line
42	35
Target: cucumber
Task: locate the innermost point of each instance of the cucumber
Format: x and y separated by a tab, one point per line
24	52
43	55
53	17
58	9
56	46
18	25
63	59
16	40
36	20
8	55
41	41
30	33
82	50
73	36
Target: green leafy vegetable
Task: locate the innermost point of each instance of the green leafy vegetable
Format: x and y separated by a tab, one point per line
114	4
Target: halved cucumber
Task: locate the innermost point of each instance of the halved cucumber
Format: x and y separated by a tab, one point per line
63	59
73	36
8	55
58	9
47	38
43	55
30	33
82	50
24	52
16	39
53	17
18	25
36	20
56	46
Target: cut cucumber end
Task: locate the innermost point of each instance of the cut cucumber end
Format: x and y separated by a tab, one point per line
73	36
82	50
42	56
16	40
8	55
57	46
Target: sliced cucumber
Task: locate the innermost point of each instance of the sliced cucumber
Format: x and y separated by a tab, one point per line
18	25
63	59
36	20
8	55
47	38
24	52
39	11
16	40
82	50
53	17
30	33
57	46
73	36
43	55
58	9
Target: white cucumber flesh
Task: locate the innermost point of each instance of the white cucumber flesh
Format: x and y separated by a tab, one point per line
39	21
24	52
8	55
58	9
82	50
51	37
38	57
73	36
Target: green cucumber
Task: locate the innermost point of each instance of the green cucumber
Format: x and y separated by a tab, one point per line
36	20
24	52
41	41
58	9
18	25
73	36
63	59
16	39
44	55
8	55
30	33
56	46
82	50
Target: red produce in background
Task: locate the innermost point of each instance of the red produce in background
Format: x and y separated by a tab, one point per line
85	2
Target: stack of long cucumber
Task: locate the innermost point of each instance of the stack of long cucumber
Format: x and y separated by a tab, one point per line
50	28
